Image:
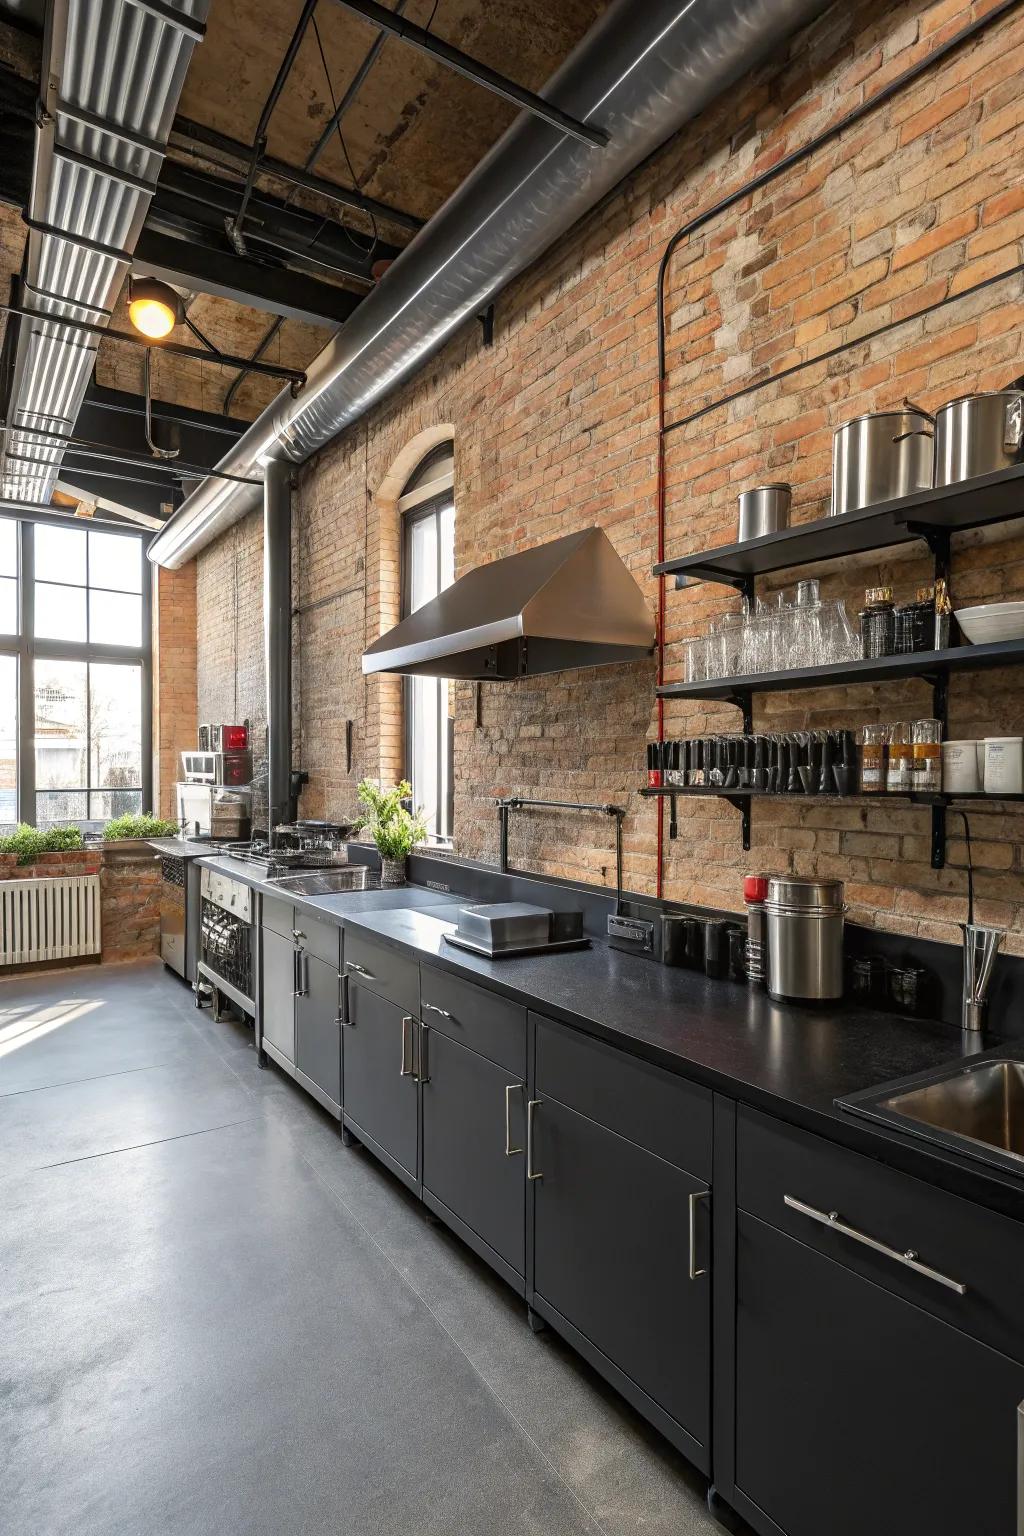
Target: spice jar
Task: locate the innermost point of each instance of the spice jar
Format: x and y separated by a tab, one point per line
873	759
899	772
943	610
877	623
927	739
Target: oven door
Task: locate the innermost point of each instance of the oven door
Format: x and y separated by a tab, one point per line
226	954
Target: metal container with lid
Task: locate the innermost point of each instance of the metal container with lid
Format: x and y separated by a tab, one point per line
805	924
763	510
978	434
879	456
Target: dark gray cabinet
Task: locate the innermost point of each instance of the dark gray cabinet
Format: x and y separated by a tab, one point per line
277	1010
612	1256
380	1056
858	1411
474	1141
317	1026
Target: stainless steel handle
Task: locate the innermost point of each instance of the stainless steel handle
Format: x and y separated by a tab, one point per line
360	970
406	1070
908	1259
297	933
303	973
695	1195
295	973
433	1008
531	1106
423	1075
343	1015
510	1089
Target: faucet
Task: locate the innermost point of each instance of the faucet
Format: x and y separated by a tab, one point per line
981	944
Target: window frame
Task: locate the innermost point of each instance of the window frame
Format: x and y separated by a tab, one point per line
426	500
27	649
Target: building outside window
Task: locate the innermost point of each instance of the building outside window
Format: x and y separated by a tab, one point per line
427	507
74	674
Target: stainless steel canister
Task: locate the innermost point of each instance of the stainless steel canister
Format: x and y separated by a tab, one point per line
978	434
881	456
763	510
805	922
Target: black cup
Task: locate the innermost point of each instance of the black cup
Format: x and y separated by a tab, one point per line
737	946
716	953
845	776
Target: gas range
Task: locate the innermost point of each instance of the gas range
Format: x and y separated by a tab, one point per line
273	862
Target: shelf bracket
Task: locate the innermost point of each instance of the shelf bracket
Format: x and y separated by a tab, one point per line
743	584
742	804
938	836
742	699
938	541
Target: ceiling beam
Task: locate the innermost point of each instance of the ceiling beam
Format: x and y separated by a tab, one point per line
472	69
195	134
189	263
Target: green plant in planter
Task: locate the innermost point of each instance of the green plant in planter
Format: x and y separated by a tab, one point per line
143	825
394	830
29	842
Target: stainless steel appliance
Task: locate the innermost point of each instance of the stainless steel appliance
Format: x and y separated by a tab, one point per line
805	922
210	810
179	914
505	928
880	456
227	939
229	768
229	738
314	836
977	434
763	510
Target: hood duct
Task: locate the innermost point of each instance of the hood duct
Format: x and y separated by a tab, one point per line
569	603
111	75
640	73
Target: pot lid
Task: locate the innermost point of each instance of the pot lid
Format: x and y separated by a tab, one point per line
808	895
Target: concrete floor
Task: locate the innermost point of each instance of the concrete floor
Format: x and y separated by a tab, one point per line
215	1319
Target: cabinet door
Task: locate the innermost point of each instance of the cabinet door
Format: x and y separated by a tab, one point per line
277	1017
469	1163
858	1412
612	1256
381	1092
317	1032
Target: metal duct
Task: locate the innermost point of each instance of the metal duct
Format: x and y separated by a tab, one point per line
641	72
112	73
277	637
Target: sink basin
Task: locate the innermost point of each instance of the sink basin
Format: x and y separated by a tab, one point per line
983	1103
973	1107
324	882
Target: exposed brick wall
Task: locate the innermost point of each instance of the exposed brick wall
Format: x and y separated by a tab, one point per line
174	679
130	888
555	429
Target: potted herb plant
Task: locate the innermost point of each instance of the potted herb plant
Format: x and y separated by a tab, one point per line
395	830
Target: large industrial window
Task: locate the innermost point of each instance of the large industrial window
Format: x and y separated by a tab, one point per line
428	566
74	674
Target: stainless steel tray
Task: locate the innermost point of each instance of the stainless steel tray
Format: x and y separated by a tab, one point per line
550	947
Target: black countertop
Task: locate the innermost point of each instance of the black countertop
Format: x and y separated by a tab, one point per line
784	1059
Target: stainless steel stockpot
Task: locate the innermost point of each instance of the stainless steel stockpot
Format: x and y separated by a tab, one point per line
880	456
978	434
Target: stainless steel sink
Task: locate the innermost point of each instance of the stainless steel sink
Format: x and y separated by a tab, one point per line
324	882
975	1107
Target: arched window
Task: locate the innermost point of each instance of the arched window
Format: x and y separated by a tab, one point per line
427	508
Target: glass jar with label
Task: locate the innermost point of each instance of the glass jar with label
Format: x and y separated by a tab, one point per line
927	745
874	740
899	773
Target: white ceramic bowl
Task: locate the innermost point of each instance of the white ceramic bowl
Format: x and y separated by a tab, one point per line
991	622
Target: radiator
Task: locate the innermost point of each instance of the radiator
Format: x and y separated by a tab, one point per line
49	919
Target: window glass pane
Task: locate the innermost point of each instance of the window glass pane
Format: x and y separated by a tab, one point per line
60	554
60	726
8	605
423	572
446	518
115	618
8	739
430	545
105	804
115	726
8	547
60	612
115	561
57	806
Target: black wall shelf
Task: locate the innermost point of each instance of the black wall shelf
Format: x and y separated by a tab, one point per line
743	799
931	515
933	666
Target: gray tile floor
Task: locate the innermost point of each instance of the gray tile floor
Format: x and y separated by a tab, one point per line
216	1319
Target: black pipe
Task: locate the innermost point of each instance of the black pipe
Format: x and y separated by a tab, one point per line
349	95
277	637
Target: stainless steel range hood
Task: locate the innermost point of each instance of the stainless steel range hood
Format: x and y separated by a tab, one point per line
570	603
